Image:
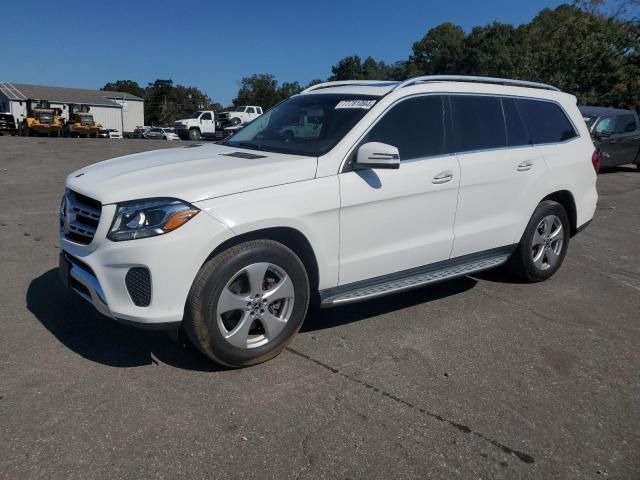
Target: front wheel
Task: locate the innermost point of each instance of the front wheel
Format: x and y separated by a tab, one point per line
544	243
194	134
247	303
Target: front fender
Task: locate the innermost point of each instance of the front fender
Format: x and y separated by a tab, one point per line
311	207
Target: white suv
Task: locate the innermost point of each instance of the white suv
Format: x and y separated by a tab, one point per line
401	185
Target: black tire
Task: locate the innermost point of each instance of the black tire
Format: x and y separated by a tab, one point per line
235	121
194	134
164	138
201	321
522	262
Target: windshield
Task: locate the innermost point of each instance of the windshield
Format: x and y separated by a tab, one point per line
239	109
305	124
195	114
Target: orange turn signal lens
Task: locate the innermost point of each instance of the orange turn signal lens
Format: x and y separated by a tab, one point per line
178	219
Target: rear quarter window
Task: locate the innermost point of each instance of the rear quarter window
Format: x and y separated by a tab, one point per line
547	122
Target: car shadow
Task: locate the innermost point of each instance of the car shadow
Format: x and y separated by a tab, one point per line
626	168
83	330
95	337
320	319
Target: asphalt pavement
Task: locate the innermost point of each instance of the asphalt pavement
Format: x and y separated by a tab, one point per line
480	377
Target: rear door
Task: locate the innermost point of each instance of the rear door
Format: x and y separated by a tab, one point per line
604	133
394	220
627	138
500	170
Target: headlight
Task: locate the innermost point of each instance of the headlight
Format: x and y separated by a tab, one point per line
150	217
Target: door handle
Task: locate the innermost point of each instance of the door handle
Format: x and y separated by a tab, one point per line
443	177
525	166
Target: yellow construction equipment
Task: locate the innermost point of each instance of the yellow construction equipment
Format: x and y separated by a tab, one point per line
81	122
41	119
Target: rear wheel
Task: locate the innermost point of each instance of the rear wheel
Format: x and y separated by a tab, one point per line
194	134
247	303
544	243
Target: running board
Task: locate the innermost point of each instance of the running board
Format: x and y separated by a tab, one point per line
414	278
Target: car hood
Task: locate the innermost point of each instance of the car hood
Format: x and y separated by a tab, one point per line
189	173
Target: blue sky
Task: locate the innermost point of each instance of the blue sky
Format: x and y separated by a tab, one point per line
201	44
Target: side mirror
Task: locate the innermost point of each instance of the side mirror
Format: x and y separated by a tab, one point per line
378	155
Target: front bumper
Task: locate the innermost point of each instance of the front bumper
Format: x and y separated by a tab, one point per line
97	272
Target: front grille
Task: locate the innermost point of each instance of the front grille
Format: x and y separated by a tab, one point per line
81	217
138	281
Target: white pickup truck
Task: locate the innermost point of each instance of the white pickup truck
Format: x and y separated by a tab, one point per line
209	123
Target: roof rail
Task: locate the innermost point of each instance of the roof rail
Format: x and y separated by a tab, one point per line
463	78
346	83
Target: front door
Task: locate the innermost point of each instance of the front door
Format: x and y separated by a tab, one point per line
206	123
394	220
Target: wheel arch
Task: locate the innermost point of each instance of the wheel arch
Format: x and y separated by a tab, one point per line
568	202
290	237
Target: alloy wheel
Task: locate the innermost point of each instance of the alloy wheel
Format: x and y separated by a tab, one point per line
548	239
255	305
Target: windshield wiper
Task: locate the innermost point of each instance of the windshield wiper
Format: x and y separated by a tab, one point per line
250	146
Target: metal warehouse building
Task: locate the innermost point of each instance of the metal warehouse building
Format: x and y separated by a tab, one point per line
119	110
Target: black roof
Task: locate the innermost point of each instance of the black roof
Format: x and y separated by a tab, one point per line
602	111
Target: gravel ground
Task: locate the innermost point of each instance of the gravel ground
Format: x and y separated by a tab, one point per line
473	378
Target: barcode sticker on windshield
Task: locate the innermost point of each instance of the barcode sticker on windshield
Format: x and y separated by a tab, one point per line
364	104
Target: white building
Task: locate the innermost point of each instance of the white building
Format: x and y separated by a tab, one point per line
119	110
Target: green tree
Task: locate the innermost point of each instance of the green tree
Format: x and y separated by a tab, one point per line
259	89
593	57
127	86
353	68
288	89
165	102
440	51
492	50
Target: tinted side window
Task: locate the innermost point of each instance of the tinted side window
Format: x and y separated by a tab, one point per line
605	125
625	123
517	133
415	126
547	122
478	122
206	116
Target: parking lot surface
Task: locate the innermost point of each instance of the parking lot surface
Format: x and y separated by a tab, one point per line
479	377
